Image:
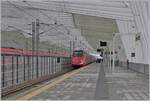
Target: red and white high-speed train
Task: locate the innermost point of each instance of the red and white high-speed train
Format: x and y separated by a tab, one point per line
81	58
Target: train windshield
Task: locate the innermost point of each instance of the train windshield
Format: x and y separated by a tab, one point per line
78	53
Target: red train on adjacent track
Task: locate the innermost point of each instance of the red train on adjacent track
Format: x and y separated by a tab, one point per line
11	51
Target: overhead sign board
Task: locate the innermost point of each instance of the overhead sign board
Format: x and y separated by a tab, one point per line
137	37
132	54
103	43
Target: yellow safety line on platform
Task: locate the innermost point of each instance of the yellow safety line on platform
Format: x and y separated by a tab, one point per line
48	86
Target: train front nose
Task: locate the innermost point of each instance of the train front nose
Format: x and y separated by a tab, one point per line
77	61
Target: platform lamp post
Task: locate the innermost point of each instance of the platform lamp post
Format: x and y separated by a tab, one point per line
70	42
113	64
110	55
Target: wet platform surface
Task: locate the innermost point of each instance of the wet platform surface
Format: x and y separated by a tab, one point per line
126	84
86	84
78	87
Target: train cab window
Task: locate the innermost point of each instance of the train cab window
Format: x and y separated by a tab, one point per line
78	53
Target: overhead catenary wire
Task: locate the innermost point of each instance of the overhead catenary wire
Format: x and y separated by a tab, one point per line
19	30
68	26
22	10
34	16
31	14
26	2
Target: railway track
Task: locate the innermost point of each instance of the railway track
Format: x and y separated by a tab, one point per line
24	70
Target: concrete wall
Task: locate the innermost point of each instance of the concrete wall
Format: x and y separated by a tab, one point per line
140	47
138	67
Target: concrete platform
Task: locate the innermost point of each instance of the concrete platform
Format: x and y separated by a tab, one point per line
126	84
78	87
92	83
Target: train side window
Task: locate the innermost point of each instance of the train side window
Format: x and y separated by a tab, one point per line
58	59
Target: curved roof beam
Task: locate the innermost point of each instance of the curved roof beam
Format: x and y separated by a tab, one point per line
120	13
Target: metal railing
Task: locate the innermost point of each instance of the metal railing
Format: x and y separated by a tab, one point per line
18	69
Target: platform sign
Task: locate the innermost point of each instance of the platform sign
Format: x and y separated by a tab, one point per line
137	37
99	50
132	54
103	44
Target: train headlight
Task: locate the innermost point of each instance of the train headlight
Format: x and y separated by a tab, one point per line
81	62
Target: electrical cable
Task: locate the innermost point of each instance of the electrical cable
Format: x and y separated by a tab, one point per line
27	12
22	10
31	16
41	12
47	16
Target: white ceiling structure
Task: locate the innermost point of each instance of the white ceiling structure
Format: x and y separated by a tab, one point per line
87	20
